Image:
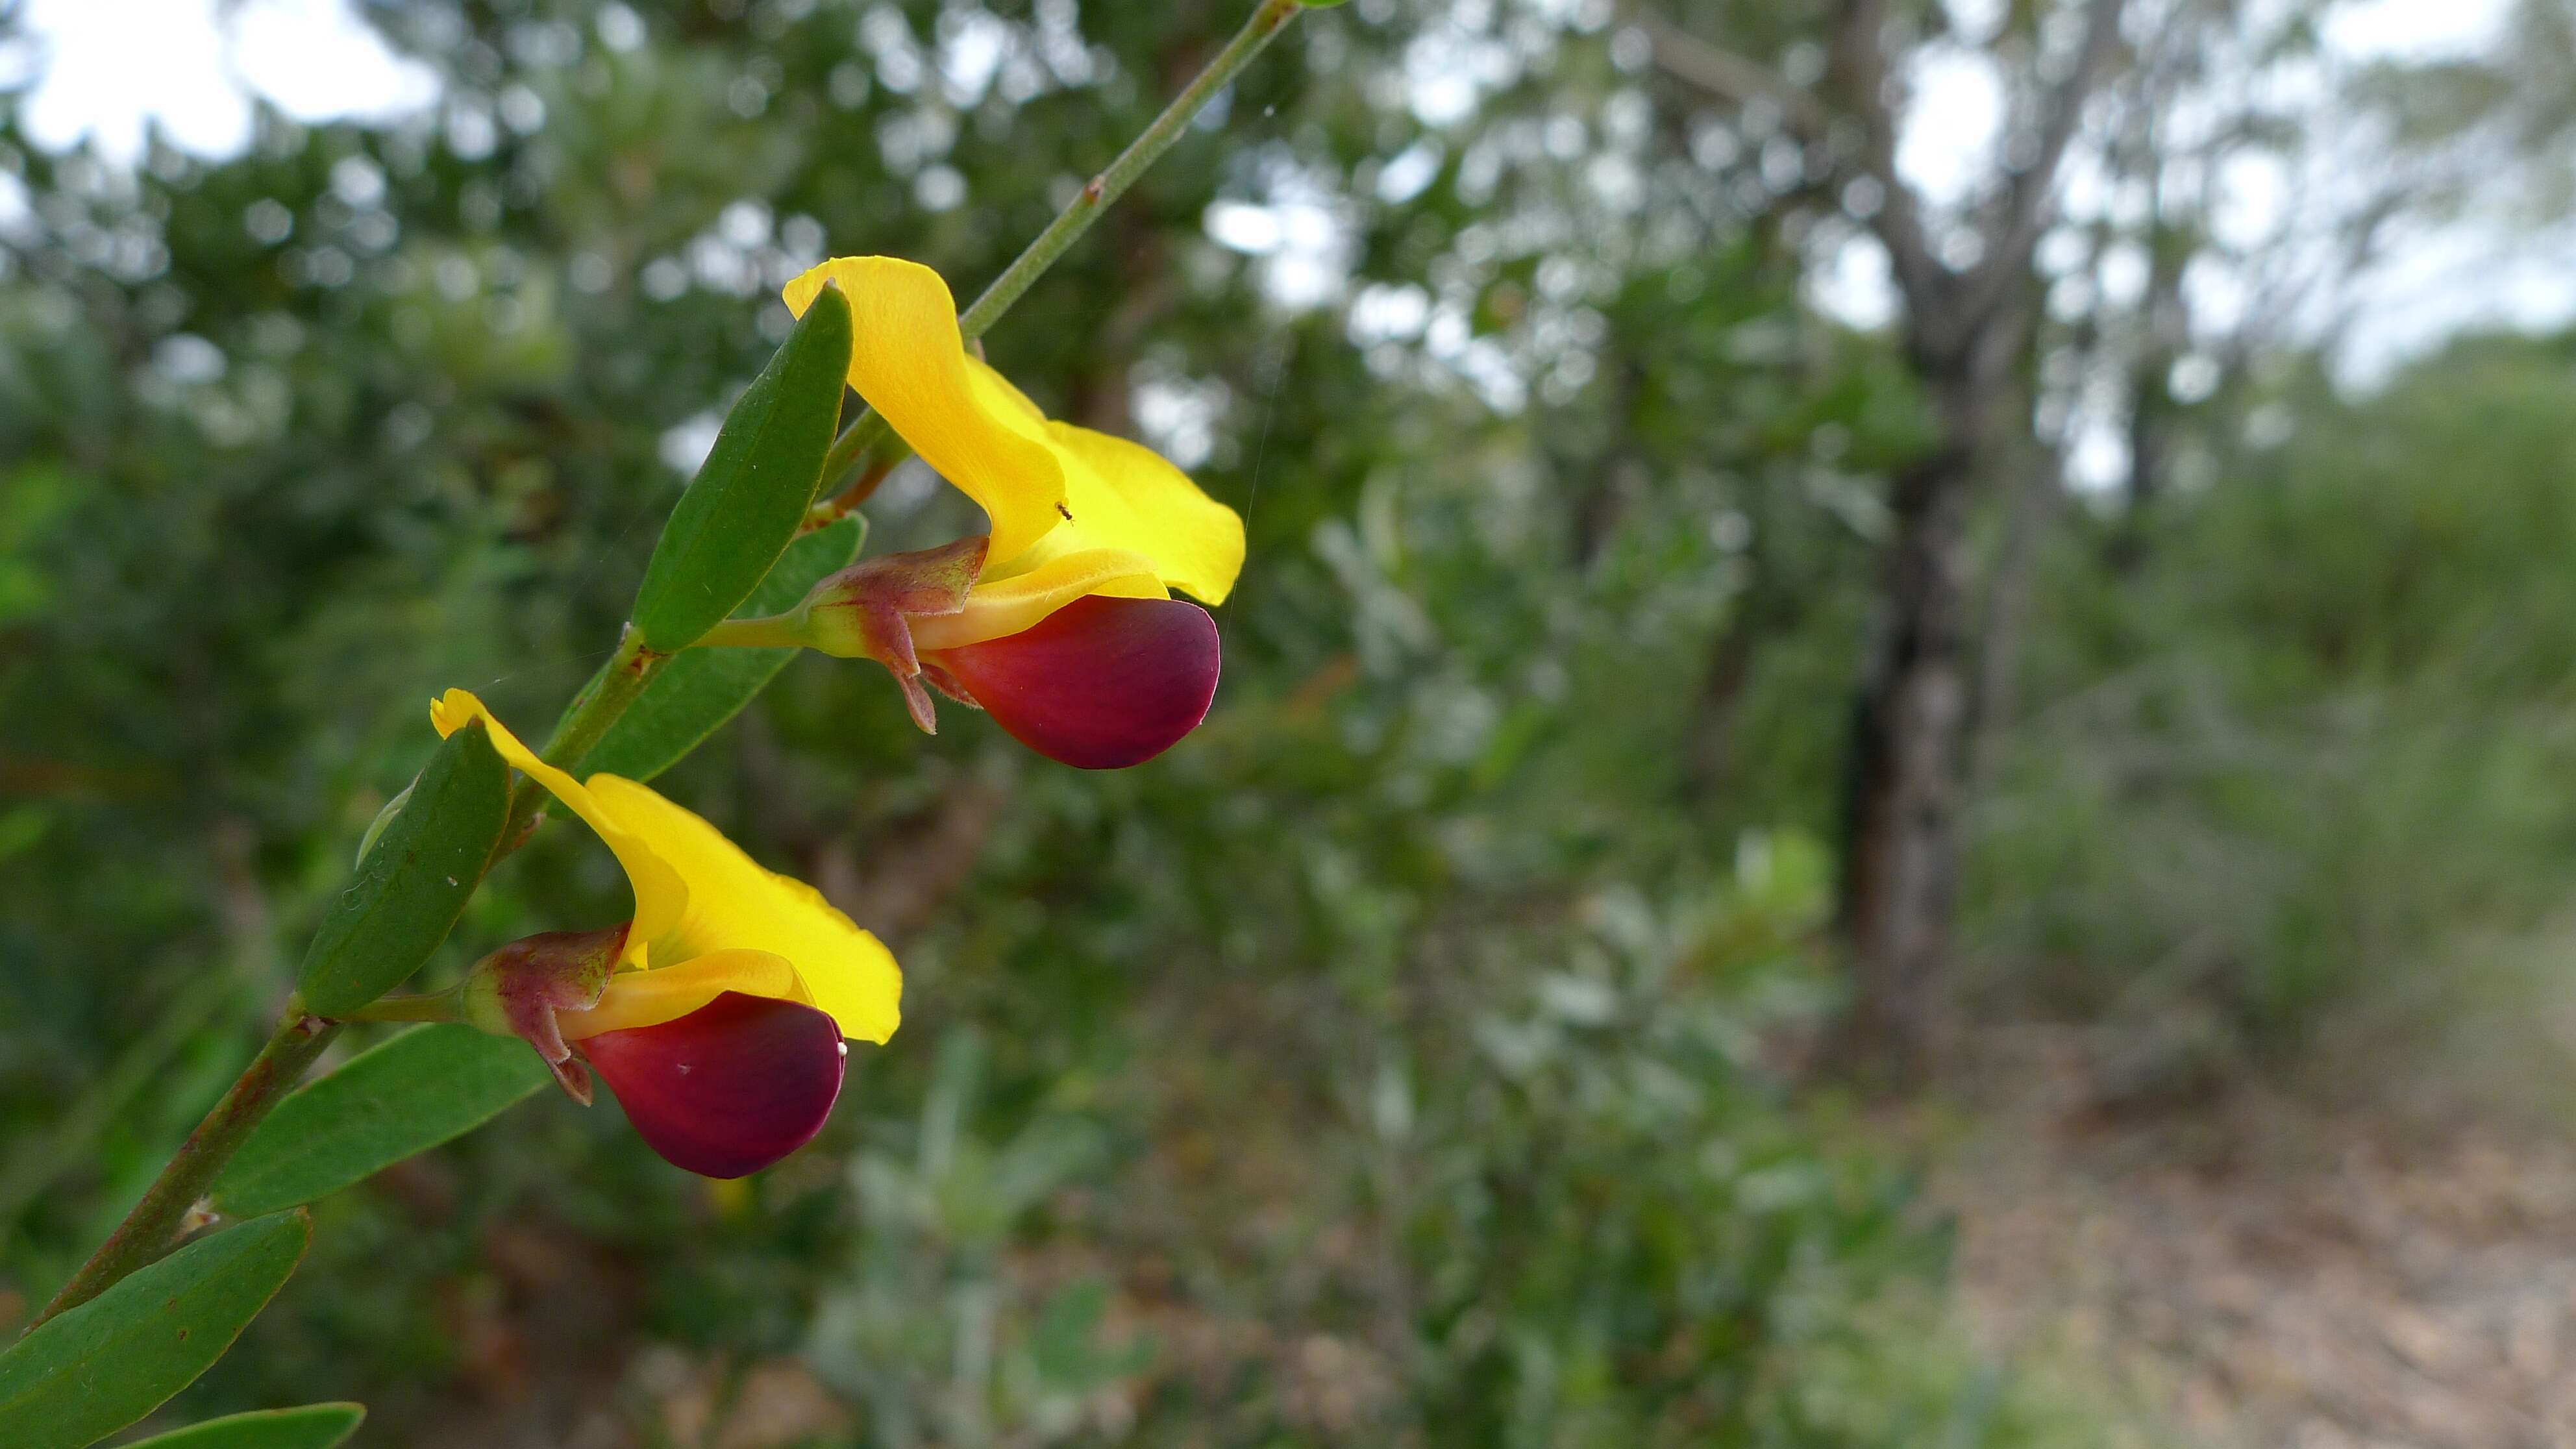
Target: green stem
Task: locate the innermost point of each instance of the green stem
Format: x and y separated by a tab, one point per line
585	723
777	631
602	700
147	1231
448	1005
869	430
1109	185
880	462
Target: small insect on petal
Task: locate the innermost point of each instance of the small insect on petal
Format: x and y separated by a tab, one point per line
728	1089
1102	683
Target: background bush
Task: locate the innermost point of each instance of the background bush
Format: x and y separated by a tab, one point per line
1407	1058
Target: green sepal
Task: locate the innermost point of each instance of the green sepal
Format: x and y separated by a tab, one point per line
97	1368
414	882
314	1426
404	1096
698	691
750	495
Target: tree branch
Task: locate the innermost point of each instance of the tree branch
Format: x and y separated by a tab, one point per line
1943	307
1856	71
1730	77
2024	215
1857	77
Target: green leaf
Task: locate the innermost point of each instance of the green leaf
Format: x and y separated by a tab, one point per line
412	886
749	496
702	688
314	1426
114	1359
393	811
405	1096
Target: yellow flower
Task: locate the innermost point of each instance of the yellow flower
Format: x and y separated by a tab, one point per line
708	918
1074	513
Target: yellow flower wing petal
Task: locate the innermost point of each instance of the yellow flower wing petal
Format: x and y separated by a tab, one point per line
909	361
1126	495
737	904
1002	390
667	993
661	897
1001	606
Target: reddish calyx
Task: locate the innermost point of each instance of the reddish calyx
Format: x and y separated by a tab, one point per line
728	1089
861	612
519	989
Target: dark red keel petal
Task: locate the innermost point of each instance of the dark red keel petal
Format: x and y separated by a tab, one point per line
729	1088
1102	683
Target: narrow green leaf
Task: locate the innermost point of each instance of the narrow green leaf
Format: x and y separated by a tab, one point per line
697	692
314	1426
752	491
116	1358
405	1096
414	882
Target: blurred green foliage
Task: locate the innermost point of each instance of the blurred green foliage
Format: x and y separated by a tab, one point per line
2320	735
1403	1058
1385	1063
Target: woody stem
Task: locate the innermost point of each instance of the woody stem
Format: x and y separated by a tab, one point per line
147	1231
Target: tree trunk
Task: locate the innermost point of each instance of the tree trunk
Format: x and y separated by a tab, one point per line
1721	693
1609	478
2167	323
1965	327
1769	606
1906	776
2038	488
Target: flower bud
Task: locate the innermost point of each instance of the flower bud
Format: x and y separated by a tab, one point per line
723	1091
730	1088
1100	684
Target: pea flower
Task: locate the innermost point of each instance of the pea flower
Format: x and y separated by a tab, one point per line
1061	622
717	1014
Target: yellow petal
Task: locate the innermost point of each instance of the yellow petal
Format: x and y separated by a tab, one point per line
667	993
736	904
661	896
909	361
1125	495
1002	389
997	607
697	895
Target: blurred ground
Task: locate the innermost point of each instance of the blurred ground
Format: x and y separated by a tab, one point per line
2260	1272
1400	1063
2253	1272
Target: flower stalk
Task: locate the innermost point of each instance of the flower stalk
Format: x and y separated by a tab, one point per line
585	723
868	433
436	1006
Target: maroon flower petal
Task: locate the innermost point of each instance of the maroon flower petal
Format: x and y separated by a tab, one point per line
729	1088
1101	684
